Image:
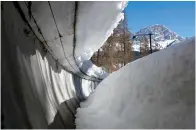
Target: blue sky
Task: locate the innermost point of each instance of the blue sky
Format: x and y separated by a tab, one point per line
179	16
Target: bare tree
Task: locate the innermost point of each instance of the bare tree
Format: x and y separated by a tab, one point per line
144	47
117	50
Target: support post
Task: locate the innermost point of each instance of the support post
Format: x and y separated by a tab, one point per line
150	43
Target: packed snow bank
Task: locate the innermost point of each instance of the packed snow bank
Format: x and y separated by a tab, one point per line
95	23
92	70
93	29
156	91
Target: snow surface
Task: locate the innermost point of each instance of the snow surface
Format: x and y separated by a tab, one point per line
136	47
92	70
161	44
165	43
156	91
93	28
95	22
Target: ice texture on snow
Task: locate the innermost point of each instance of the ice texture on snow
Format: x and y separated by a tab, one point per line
156	91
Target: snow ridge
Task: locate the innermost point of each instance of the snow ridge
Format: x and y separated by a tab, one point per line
156	91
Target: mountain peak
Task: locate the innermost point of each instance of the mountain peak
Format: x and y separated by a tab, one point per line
161	32
162	37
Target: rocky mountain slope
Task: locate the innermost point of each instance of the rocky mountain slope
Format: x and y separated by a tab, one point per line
162	37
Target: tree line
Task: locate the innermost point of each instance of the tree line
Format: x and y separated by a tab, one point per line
117	51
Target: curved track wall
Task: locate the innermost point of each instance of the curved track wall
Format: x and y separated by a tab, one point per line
38	89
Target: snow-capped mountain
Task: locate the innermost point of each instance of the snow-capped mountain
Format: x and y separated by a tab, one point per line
162	36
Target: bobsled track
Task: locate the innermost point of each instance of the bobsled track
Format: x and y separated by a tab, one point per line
47	72
46	47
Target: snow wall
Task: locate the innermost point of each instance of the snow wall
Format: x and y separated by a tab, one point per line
153	92
46	47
